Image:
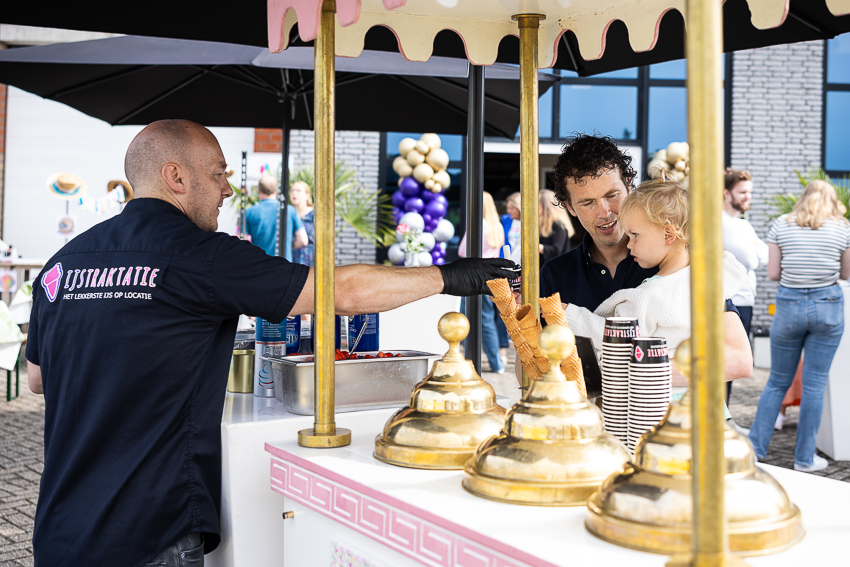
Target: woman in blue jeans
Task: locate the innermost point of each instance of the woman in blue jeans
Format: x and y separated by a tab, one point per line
808	253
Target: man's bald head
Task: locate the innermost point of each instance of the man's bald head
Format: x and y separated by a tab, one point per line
160	143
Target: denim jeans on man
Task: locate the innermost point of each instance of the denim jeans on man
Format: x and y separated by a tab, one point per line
188	551
806	319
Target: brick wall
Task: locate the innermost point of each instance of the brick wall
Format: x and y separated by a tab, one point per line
777	100
360	150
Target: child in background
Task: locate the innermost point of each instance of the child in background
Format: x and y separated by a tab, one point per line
655	217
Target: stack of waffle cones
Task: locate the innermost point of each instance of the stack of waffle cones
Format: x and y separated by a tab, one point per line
550	308
524	328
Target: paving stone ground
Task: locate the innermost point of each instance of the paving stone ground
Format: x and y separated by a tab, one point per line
22	453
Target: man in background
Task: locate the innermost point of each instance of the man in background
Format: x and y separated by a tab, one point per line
262	220
740	239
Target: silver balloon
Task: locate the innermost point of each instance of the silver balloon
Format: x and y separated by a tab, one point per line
413	220
427	240
444	232
395	254
424	258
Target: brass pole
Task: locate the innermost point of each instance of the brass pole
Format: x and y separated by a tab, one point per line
529	163
704	46
324	433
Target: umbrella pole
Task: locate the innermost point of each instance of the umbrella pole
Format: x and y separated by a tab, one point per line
284	180
324	433
709	542
474	203
529	160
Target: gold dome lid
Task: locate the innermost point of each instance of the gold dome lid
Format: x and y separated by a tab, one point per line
649	506
553	450
450	413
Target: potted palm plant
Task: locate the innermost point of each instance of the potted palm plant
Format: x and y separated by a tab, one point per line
784	204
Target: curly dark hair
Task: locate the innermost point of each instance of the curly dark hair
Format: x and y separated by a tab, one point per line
590	156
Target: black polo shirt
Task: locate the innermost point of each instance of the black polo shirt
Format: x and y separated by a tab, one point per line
132	325
586	283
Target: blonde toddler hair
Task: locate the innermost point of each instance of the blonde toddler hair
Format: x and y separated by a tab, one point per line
663	203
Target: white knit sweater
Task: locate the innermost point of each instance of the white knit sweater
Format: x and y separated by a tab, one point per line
662	306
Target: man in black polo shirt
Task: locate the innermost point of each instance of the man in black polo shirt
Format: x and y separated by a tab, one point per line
592	178
130	339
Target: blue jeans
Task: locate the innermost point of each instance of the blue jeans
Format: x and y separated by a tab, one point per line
502	331
810	319
489	335
188	551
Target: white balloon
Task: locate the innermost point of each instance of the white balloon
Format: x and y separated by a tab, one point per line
445	230
405	145
438	159
395	254
414	221
414	158
398	161
422	172
432	140
422	148
427	240
404	169
425	258
442	177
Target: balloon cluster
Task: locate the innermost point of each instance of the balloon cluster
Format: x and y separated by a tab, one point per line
419	202
674	161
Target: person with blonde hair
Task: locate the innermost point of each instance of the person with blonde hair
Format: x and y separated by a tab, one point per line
655	217
809	251
491	244
511	221
554	225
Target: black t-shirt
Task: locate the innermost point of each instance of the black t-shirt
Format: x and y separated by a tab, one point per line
132	325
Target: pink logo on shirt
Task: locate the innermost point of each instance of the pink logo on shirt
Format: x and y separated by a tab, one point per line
50	281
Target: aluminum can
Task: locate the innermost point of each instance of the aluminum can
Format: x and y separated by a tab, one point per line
270	340
370	339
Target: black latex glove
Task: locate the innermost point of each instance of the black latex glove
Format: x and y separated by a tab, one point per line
468	276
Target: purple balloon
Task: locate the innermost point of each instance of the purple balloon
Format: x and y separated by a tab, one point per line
414	205
398	199
435	208
426	217
428	196
439	261
409	187
397	217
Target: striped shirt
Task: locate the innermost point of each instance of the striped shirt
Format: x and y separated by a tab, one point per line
810	258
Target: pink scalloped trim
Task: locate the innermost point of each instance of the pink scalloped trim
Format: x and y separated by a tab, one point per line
421	535
308	13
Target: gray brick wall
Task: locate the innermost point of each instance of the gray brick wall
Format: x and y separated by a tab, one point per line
777	100
360	150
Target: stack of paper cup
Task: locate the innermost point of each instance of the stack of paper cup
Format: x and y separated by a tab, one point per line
616	351
649	386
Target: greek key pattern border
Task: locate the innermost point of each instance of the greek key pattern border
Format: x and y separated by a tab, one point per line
423	540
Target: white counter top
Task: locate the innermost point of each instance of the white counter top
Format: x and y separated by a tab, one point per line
428	517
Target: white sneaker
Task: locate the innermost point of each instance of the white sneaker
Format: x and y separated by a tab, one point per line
818	464
780	421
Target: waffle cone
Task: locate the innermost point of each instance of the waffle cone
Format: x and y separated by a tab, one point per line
542	363
505	305
526	318
512	326
526	357
500	288
530	336
552	311
571	367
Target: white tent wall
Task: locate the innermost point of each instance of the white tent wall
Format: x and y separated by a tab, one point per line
44	137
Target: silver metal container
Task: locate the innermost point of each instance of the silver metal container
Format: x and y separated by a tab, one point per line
372	383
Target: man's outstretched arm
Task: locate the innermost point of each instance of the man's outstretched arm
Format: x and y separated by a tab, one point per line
365	288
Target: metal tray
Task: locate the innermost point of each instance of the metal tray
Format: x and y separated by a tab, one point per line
373	383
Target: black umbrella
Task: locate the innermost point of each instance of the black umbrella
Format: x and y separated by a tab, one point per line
137	80
245	23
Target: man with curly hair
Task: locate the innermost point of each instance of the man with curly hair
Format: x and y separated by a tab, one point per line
592	178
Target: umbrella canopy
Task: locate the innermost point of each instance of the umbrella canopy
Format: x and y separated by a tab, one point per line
137	80
615	43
